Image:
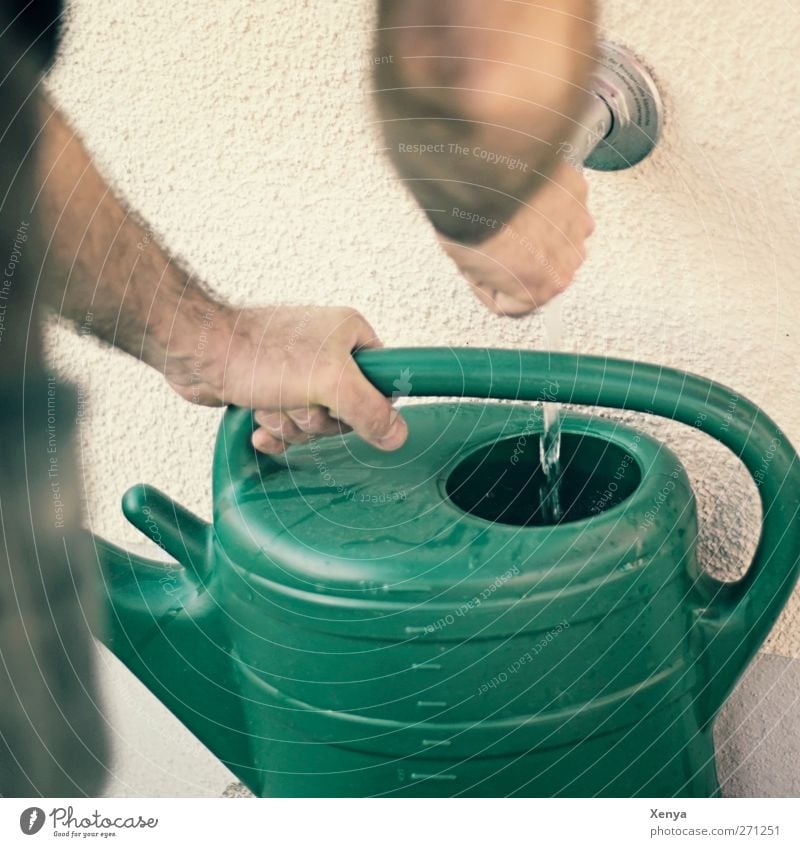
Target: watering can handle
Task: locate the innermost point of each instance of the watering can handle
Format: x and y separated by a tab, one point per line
732	618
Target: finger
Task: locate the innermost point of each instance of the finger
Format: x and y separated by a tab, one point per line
353	399
264	442
279	425
365	336
503	304
485	295
372	344
510	307
315	421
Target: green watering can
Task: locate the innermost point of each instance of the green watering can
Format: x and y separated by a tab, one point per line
360	623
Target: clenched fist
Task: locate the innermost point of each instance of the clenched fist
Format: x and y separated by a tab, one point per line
294	366
535	255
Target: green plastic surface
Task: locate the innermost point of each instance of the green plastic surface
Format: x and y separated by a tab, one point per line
361	623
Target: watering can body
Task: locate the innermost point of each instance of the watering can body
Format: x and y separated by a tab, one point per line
359	623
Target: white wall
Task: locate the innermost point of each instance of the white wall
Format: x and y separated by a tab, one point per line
241	130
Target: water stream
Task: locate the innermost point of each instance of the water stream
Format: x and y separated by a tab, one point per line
550	442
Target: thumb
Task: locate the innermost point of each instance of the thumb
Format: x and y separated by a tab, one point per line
361	406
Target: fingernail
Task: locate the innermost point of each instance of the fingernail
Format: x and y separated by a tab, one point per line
273	423
396	435
264	442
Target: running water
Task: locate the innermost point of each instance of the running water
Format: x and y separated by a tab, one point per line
550	442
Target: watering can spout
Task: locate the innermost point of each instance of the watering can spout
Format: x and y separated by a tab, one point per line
164	624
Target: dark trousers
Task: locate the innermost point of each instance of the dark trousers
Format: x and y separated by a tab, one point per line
52	739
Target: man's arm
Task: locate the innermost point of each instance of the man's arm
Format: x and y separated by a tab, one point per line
106	269
476	97
293	365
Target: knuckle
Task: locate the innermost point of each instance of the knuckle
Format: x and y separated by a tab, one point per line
567	278
349	315
269	420
375	422
309	420
266	443
493	307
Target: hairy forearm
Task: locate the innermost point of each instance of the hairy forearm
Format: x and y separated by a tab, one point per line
292	365
475	98
106	271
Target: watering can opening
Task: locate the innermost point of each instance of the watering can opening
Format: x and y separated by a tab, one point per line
503	482
326	639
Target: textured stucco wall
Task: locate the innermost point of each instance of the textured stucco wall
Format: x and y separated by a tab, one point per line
241	131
